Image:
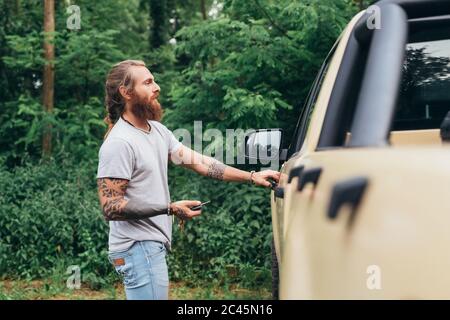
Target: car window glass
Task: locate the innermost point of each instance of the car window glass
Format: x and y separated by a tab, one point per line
425	91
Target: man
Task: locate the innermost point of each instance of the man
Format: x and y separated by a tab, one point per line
132	180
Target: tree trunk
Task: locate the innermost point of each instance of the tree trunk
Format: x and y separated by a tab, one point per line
17	9
159	23
49	72
203	9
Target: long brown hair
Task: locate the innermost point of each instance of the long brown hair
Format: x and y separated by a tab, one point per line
120	75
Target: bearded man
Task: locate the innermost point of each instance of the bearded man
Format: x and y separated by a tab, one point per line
132	180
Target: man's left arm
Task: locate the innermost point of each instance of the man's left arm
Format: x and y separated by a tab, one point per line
215	169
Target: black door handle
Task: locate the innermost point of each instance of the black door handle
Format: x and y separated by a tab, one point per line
347	192
295	172
309	176
279	192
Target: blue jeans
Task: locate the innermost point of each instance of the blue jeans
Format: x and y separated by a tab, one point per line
143	269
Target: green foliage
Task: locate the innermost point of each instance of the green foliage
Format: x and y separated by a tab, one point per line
229	234
77	130
50	218
82	61
249	68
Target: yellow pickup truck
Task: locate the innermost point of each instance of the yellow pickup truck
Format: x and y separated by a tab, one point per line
362	210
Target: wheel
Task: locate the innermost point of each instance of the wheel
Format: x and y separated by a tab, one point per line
275	273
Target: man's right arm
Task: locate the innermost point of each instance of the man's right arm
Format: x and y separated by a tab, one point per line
111	192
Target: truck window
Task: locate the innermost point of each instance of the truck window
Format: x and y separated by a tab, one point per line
308	108
424	98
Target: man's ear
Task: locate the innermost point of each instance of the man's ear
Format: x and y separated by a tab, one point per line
125	93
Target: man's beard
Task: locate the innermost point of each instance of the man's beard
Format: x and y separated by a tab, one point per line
145	110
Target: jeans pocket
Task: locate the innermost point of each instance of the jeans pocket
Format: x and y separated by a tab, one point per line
156	256
124	266
155	249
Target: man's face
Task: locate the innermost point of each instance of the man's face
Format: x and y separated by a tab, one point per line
144	103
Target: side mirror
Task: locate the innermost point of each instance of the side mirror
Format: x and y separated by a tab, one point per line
445	128
264	145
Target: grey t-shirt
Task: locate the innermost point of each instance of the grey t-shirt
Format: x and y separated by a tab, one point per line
142	158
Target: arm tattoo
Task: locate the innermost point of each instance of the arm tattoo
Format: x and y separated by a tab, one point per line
112	187
216	170
111	193
116	208
112	209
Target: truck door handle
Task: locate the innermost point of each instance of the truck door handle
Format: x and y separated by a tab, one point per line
309	176
347	192
295	172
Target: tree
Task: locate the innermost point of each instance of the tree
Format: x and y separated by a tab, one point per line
49	70
203	9
159	23
253	66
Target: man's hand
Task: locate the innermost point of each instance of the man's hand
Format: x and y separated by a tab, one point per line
261	178
182	209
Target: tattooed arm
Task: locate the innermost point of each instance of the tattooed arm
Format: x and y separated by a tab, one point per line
111	194
212	168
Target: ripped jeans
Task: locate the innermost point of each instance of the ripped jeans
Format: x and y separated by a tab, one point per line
143	269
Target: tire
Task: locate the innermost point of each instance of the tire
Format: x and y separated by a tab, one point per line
275	273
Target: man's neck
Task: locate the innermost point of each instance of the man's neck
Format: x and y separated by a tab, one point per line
135	121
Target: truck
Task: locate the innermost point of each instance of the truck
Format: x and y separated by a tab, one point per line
362	208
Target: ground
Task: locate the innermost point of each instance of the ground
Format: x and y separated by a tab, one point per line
48	290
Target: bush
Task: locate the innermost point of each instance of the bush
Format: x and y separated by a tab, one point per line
50	219
233	233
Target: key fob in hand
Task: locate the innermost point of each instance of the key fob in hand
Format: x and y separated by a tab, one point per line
199	207
273	183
